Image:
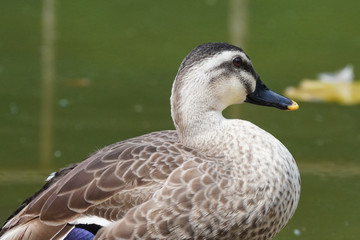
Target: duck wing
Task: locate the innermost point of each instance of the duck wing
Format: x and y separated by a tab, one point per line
105	185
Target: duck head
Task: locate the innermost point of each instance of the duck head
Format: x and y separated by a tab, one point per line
214	76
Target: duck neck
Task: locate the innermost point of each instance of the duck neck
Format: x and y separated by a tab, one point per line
195	112
196	122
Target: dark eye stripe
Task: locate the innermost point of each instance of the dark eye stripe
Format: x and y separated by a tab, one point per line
247	87
246	66
230	66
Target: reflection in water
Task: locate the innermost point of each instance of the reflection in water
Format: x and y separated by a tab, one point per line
330	169
48	79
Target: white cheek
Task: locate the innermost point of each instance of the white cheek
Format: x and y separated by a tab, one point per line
231	92
236	94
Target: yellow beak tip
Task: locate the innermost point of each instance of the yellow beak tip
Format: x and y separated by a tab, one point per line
294	106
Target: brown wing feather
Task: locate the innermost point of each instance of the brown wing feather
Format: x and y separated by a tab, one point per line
130	170
180	208
34	229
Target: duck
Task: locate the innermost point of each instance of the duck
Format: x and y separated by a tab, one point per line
210	178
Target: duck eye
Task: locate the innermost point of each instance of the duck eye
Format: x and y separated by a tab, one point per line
237	62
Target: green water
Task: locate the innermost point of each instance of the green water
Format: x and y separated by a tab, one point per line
115	62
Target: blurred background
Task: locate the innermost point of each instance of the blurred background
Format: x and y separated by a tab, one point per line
102	72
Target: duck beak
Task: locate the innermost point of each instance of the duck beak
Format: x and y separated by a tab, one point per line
265	97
